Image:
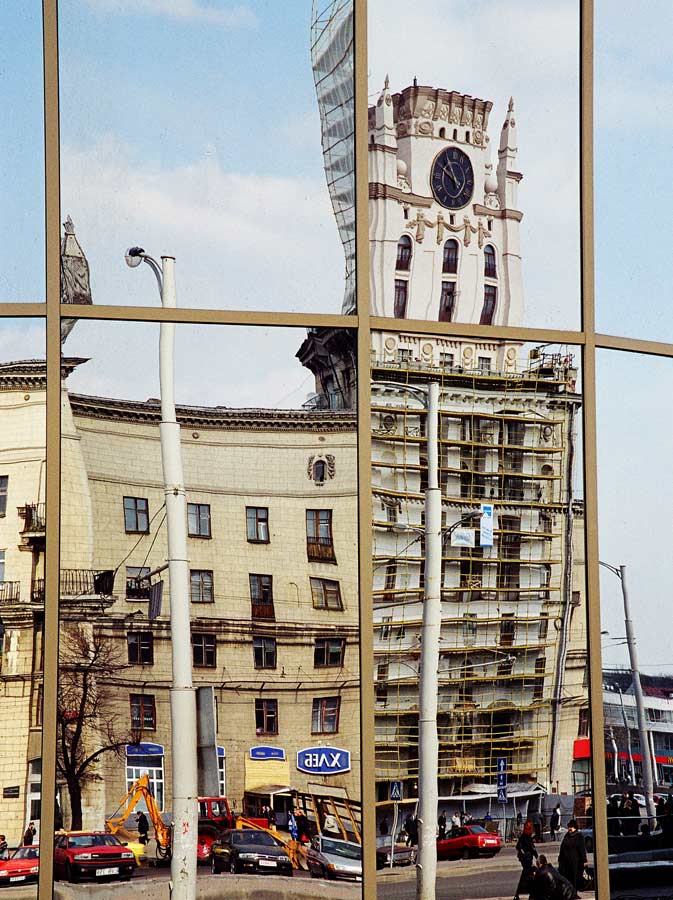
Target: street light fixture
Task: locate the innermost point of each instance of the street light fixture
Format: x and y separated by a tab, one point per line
643	731
182	694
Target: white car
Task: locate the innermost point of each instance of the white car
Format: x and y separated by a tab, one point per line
331	858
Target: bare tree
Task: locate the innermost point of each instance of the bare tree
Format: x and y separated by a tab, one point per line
87	727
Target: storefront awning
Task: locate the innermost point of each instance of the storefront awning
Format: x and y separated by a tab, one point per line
265	790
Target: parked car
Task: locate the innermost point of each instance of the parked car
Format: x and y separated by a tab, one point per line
402	855
331	858
249	850
469	841
23	865
92	854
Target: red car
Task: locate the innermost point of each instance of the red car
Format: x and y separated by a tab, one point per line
23	865
469	841
92	854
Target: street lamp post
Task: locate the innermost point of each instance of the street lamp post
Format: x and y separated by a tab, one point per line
182	695
643	731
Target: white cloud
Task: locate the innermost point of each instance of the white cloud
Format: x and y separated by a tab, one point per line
242	241
22	339
186	10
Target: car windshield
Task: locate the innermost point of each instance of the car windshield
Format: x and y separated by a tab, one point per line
93	840
342	848
26	853
243	838
477	829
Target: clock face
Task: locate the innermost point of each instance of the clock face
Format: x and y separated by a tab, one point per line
452	178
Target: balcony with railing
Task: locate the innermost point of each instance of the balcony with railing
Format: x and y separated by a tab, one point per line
37	590
264	610
320	549
10	591
34	518
86	583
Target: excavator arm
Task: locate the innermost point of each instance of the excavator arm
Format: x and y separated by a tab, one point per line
140	790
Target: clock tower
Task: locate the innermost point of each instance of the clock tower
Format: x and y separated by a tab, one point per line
444	224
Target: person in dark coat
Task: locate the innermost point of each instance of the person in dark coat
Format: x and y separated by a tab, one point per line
441	823
549	884
526	854
29	834
411	828
614	818
143	827
572	857
555	822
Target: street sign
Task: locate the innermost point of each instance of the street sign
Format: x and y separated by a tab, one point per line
266	752
323	760
502	779
462	537
396	791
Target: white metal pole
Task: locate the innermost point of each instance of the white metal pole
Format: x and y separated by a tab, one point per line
646	759
428	744
182	695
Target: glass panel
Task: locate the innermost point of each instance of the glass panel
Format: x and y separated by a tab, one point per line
218	132
249	446
481	148
633	77
635	614
22	596
22	273
511	688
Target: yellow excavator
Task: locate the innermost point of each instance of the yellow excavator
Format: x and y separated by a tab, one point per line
140	790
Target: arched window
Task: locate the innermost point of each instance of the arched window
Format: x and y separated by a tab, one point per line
442	132
401	297
447	301
450	262
490	299
320	471
489	262
403	254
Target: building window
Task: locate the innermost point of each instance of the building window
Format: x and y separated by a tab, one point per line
544	626
329	652
204	650
4	481
221	773
507	630
488	310
505	666
143	712
489	262
484	363
450	259
384	631
538	684
403	254
140	645
320	471
257	524
447	301
326	594
198	520
319	543
261	596
201	586
266	716
401	297
150	764
135	588
381	693
264	652
2	566
583	723
136	515
446	360
325	719
469	629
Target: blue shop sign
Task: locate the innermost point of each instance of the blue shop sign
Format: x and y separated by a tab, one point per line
263	752
323	760
144	750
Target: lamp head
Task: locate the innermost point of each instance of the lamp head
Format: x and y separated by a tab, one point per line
134	256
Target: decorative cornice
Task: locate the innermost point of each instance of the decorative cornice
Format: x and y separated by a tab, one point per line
378	191
32	373
219	417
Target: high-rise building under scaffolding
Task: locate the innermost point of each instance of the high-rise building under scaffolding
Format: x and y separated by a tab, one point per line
332	59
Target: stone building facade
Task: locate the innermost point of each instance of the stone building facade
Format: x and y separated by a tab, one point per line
273	589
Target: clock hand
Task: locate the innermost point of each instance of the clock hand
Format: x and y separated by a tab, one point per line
450	171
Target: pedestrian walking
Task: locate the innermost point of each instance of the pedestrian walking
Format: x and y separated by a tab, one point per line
614	819
572	858
548	883
555	822
29	834
526	854
143	828
441	823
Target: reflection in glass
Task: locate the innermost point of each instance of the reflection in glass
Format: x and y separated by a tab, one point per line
635	573
271	531
22	273
633	59
512	715
22	595
230	175
476	158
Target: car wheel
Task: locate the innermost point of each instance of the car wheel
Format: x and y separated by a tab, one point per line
465	854
71	874
214	868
